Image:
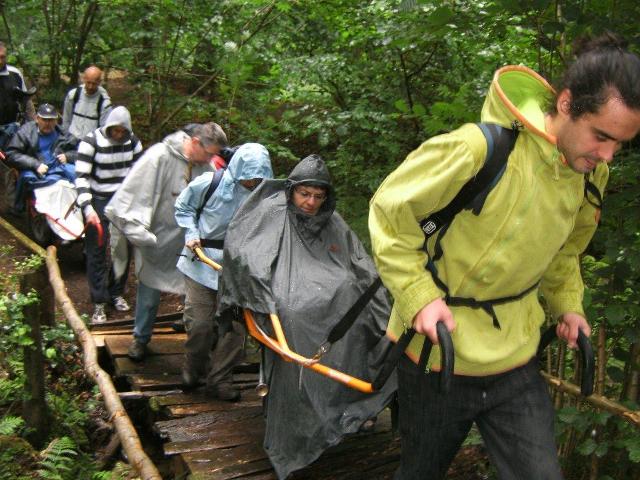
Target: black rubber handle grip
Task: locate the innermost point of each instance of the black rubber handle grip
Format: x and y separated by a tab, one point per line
392	359
446	357
588	364
587	357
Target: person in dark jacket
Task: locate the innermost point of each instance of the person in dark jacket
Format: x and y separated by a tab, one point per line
15	101
41	153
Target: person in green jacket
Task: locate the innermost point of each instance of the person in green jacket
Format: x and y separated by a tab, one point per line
527	238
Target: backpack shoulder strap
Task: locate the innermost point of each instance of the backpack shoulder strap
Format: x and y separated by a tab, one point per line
215	181
76	96
500	143
99	105
591	190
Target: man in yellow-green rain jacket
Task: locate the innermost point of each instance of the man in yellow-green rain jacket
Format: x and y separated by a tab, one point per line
526	240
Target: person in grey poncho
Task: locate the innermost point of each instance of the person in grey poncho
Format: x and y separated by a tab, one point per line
288	252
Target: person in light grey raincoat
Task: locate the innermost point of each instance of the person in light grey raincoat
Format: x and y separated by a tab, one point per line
205	222
142	211
288	252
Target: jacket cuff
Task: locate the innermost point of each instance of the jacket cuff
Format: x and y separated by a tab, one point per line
560	304
87	210
414	298
191	234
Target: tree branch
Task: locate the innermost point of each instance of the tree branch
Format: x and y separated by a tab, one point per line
596	400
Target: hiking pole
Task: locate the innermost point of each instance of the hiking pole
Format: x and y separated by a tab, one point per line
587	358
262	389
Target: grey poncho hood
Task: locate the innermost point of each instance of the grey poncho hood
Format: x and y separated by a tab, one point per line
311	171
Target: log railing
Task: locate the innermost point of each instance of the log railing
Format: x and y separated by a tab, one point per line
118	414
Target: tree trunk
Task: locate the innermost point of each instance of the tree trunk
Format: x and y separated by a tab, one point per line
34	407
84	30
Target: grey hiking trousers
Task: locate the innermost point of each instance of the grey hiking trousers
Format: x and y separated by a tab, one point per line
206	352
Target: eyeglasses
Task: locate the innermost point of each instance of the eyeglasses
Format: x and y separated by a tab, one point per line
306	195
210	150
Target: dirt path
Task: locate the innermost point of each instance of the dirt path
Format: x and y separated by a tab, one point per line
71	261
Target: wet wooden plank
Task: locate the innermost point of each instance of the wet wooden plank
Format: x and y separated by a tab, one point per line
219	440
161	320
160	381
177	411
240	471
226	457
198	396
148	395
357	457
360	457
203	425
152	364
168	377
105	330
117	345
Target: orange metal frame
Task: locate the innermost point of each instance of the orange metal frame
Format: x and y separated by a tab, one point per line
281	347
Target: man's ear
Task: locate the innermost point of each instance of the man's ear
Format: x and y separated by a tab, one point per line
563	102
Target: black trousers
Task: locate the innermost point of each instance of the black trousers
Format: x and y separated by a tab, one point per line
103	285
512	410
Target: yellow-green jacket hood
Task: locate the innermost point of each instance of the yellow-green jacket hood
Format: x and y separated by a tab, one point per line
518	94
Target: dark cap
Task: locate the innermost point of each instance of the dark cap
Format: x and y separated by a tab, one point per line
46	110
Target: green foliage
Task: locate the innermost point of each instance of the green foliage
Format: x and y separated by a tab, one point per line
362	83
58	459
63	458
603	435
17	458
10	425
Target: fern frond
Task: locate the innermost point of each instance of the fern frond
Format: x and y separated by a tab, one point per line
10	425
57	459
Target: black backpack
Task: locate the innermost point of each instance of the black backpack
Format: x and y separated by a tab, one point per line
76	99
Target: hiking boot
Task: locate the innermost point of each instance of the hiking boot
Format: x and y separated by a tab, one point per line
189	378
99	315
224	391
178	326
137	351
120	304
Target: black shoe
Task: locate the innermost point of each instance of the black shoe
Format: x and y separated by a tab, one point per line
137	351
189	378
178	326
224	391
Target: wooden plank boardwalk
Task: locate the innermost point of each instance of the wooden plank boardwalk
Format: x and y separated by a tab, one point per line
209	439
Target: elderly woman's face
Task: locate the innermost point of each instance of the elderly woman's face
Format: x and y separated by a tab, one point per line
309	199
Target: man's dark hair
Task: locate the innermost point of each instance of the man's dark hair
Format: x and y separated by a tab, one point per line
603	69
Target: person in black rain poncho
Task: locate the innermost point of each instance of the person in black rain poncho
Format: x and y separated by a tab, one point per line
288	252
